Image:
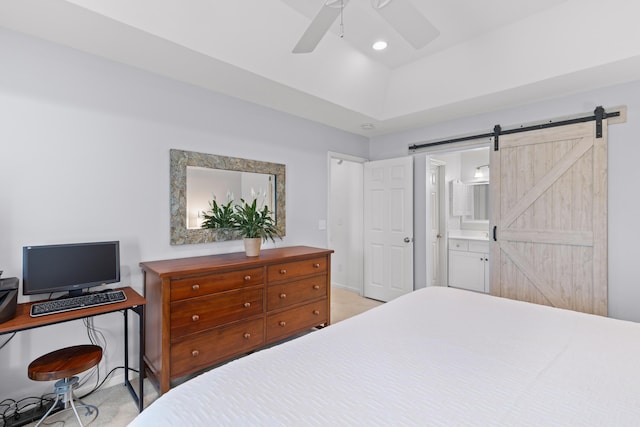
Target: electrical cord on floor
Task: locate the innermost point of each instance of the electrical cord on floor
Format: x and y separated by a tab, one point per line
14	407
96	388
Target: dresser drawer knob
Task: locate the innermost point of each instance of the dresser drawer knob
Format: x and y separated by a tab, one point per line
247	278
316	312
283	296
316	265
247	304
282	323
195	287
247	335
195	317
195	353
283	271
316	287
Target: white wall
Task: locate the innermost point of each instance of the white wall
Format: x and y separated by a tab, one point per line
84	144
624	152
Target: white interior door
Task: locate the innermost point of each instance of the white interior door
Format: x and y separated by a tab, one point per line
388	228
436	233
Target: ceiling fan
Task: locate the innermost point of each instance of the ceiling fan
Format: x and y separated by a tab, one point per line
401	15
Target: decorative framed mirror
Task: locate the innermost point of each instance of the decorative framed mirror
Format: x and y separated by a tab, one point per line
199	178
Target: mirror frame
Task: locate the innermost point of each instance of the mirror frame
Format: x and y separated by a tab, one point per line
180	159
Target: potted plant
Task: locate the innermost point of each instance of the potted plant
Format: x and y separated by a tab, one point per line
255	225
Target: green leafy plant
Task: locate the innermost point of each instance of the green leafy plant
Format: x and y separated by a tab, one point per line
252	222
219	216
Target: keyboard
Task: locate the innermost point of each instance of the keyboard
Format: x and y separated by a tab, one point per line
76	303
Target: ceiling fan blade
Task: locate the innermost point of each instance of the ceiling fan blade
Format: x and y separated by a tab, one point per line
409	22
317	29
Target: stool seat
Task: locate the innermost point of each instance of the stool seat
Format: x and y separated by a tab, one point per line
65	362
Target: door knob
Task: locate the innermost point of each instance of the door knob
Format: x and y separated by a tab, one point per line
407	240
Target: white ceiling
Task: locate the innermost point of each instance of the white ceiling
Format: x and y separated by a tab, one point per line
490	54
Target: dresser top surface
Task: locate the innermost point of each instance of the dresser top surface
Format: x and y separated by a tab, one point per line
235	259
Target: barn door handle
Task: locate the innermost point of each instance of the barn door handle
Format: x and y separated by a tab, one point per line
495	234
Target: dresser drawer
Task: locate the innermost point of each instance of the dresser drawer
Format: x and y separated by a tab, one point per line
277	272
202	350
481	246
287	294
281	325
197	314
458	244
190	287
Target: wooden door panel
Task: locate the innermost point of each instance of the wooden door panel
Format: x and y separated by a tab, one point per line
549	206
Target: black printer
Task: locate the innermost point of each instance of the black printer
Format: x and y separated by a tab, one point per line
8	298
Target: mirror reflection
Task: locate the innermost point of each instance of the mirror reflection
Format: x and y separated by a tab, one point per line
479	200
205	185
196	178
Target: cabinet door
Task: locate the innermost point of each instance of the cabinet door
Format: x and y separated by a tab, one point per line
466	270
487	276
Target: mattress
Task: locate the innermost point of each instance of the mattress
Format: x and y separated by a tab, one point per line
435	357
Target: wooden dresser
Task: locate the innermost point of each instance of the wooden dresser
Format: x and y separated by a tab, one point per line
204	310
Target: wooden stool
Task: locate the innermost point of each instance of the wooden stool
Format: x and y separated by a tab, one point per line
62	365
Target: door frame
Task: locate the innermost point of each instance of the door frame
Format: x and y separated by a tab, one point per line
442	220
331	155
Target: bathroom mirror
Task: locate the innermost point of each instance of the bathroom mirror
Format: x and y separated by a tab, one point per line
196	178
479	202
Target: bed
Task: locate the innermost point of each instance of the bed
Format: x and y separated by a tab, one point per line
435	357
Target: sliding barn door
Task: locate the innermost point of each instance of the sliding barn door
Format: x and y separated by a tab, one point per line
549	192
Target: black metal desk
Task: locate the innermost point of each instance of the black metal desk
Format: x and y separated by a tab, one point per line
135	302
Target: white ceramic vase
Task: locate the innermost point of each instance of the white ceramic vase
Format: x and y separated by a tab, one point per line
252	246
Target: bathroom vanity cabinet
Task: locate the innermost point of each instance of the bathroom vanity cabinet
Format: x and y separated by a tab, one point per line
469	264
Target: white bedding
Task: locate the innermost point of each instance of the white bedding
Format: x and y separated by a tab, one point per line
435	357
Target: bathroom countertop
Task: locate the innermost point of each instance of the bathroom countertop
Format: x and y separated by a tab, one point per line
469	235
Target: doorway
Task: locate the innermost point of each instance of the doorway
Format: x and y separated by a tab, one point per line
458	202
344	231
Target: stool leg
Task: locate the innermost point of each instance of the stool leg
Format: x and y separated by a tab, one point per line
64	394
55	402
75	411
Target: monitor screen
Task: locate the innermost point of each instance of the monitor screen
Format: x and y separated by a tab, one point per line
69	267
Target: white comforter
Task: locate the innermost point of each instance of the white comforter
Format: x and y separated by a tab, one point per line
435	357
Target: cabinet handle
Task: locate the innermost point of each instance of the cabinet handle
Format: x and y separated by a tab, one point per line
247	335
283	271
316	287
247	278
282	323
283	296
316	265
195	287
195	353
195	317
316	312
247	304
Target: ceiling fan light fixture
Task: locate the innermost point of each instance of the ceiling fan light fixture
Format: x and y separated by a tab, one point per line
379	45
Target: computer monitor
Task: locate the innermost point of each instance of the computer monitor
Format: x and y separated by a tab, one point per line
69	267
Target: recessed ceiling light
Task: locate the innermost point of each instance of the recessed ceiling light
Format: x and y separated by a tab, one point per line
379	45
367	126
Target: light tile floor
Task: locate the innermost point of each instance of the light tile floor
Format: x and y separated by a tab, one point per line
118	409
